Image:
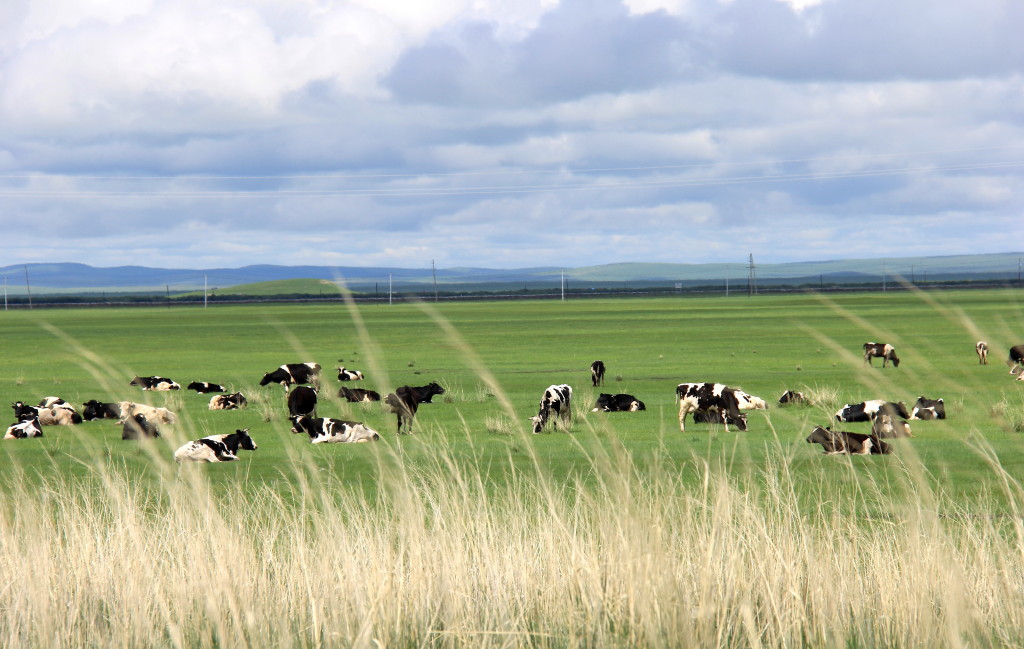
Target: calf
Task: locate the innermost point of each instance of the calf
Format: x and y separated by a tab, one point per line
302	401
423	393
597	373
836	441
696	397
885	425
885	351
358	395
323	431
865	410
151	413
154	383
215	448
24	429
204	387
981	347
557	401
1016	360
349	375
403	404
618	403
791	397
137	427
928	409
293	374
716	416
228	401
93	409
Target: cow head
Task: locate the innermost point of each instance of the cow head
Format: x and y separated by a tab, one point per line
245	441
298	423
267	379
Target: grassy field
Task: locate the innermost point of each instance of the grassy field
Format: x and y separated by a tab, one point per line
472	532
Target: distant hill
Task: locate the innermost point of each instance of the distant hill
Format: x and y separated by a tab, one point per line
73	278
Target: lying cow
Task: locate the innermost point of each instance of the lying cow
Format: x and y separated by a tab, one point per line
216	448
323	431
884	426
836	442
205	387
618	403
154	383
302	401
151	413
93	409
556	402
597	373
885	351
865	410
358	395
293	374
1016	360
228	401
981	348
24	429
928	409
349	375
55	416
137	426
696	397
792	397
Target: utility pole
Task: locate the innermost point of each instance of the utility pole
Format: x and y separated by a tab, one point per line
28	288
751	278
433	271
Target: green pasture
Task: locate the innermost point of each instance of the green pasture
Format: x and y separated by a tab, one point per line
496	358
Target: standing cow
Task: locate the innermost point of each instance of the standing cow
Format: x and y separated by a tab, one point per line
302	401
293	374
597	373
699	397
981	348
885	351
557	401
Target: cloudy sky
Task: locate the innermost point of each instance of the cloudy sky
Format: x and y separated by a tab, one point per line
508	133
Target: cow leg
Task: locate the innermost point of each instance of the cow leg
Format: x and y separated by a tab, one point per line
684	410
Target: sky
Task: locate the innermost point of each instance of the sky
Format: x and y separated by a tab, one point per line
508	133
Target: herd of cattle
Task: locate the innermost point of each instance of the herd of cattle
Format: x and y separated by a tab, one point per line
708	403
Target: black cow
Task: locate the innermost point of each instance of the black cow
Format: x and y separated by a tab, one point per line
293	374
716	416
557	400
618	403
836	441
790	397
1016	360
93	409
137	426
322	431
865	410
228	401
349	375
885	351
423	393
216	448
597	373
695	397
203	387
928	409
404	404
358	395
302	401
24	429
154	383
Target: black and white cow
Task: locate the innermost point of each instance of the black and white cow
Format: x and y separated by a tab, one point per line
24	429
928	409
322	430
865	410
93	409
597	373
618	403
557	402
694	397
836	442
205	387
216	448
137	426
293	374
349	375
884	425
302	401
716	416
54	416
981	348
885	351
423	393
228	401
1016	360
154	383
792	397
358	395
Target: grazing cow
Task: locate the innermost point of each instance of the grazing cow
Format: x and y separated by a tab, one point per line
93	409
47	416
349	375
1016	360
293	374
885	351
404	404
154	383
334	431
153	414
597	373
557	400
928	409
302	401
716	416
216	448
885	425
981	347
791	397
137	426
358	395
423	393
618	403
228	401
695	397
840	442
24	429
204	387
865	410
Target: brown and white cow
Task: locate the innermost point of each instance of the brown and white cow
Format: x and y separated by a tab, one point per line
885	351
981	348
836	442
